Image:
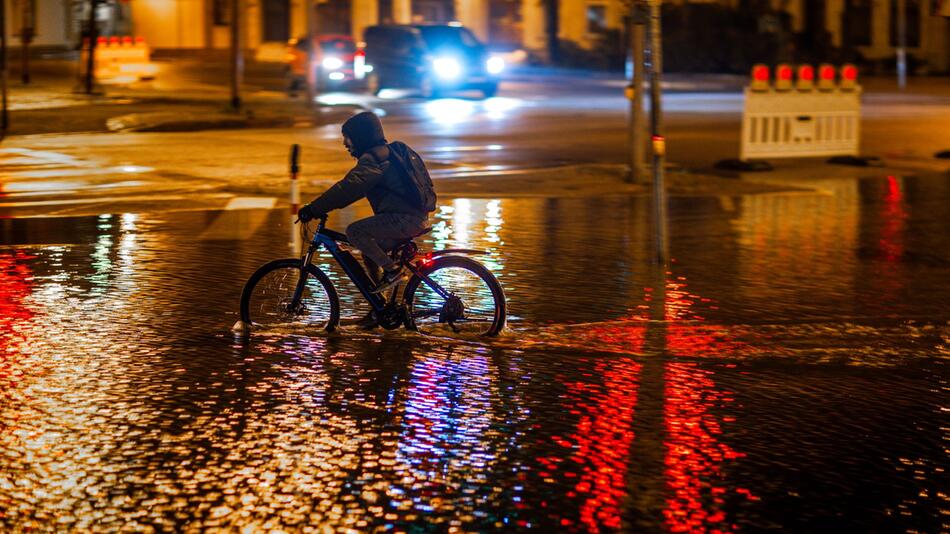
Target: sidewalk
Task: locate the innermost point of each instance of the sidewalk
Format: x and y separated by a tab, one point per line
55	102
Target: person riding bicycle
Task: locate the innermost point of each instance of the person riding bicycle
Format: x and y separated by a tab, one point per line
401	199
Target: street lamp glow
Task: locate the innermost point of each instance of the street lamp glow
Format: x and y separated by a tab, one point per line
446	67
332	63
495	65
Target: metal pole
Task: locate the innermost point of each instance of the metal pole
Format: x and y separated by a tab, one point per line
237	59
26	37
635	123
658	142
93	34
902	43
4	116
311	53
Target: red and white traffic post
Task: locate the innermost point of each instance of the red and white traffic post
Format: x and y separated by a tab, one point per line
294	194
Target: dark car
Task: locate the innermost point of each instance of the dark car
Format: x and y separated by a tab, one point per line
433	58
337	64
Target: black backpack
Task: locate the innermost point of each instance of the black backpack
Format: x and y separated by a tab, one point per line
416	176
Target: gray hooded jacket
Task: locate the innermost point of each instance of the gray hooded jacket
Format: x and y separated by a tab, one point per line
376	178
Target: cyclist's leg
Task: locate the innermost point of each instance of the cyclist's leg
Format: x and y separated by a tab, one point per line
372	234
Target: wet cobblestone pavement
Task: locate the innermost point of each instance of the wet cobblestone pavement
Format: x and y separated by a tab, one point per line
788	372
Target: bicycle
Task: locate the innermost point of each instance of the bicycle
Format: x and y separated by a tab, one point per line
448	291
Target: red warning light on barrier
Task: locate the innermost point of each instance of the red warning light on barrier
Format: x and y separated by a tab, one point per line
806	78
760	78
849	77
826	77
783	78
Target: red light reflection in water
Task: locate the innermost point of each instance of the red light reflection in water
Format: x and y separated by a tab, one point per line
694	452
16	285
601	443
893	216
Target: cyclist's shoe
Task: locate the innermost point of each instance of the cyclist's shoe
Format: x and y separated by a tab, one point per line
390	278
369	321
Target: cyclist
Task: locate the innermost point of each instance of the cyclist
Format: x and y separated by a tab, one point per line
378	177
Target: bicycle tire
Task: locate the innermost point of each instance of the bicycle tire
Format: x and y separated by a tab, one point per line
260	310
497	322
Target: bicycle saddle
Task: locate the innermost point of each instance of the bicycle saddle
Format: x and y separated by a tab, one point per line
408	239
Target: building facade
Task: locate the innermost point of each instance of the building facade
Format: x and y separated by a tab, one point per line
869	25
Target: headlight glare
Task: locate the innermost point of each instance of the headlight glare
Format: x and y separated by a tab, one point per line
495	65
332	63
446	67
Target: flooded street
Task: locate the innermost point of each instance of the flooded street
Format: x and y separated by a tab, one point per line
787	372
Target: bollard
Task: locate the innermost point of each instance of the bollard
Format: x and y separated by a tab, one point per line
294	195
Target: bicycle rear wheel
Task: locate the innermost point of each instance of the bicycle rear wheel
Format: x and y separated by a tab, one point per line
268	298
475	304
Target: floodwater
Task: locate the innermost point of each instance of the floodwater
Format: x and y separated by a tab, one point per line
787	372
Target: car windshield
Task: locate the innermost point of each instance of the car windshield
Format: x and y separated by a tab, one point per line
448	36
340	46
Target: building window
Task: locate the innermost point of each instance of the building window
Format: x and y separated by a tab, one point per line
221	12
912	12
596	19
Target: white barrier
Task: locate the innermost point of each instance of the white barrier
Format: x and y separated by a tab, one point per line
800	123
123	57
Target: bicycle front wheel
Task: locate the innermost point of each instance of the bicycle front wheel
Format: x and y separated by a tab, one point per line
268	298
461	297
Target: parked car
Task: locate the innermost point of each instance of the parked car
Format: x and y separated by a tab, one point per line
338	63
433	58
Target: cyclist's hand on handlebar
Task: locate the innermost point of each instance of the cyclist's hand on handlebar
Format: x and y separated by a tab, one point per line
306	214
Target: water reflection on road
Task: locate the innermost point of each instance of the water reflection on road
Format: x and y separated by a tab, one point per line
786	371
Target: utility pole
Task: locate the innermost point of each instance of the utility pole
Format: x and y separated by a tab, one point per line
237	59
636	128
311	52
4	116
658	141
902	43
92	32
27	31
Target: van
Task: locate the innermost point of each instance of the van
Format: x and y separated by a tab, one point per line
431	58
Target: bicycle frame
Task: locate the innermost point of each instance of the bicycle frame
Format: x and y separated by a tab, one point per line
353	269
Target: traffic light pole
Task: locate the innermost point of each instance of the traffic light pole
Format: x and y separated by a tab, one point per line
4	116
237	61
658	141
311	52
92	31
901	43
635	123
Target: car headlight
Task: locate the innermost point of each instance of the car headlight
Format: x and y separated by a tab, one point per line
495	65
446	67
332	63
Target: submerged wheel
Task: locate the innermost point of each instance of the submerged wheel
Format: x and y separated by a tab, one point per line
476	305
267	299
